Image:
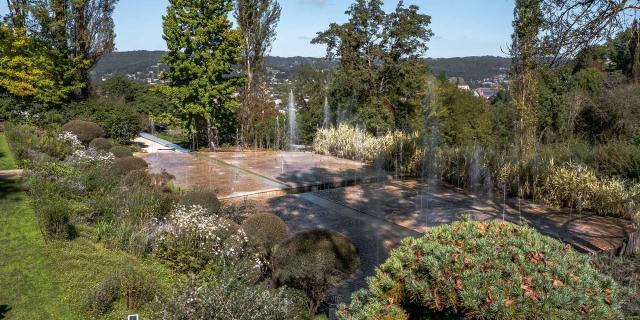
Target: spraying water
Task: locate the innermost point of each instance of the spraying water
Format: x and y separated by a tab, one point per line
327	113
293	134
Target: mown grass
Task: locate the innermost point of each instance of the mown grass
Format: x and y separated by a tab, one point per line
41	280
50	281
6	159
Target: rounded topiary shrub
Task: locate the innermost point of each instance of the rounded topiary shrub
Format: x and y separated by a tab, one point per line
208	199
315	262
101	144
486	271
121	152
84	130
264	231
124	165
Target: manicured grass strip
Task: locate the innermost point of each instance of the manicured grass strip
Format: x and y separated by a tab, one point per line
29	289
50	281
6	159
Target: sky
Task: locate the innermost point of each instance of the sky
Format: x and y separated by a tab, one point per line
461	27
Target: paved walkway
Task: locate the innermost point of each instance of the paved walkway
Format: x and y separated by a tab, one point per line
5	174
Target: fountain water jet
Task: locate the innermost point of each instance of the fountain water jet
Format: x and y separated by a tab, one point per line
293	126
327	113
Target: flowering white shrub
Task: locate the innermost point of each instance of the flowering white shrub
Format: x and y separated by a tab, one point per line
71	139
191	238
90	156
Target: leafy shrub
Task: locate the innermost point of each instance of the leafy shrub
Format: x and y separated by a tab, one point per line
618	159
100	299
315	262
191	239
121	152
157	181
101	144
486	271
124	165
119	121
229	295
264	231
139	204
138	288
84	130
29	142
207	199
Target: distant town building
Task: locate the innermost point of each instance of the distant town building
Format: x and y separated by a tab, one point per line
459	81
486	93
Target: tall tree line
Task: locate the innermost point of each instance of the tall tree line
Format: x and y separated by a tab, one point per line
72	34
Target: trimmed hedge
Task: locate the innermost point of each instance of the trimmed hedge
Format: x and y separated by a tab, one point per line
486	271
208	199
125	165
121	152
101	144
264	231
84	130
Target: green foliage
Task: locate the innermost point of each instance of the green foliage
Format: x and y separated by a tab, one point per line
84	130
229	294
121	152
128	164
101	144
315	262
463	119
486	271
26	141
198	67
120	121
384	95
129	238
265	231
626	271
101	298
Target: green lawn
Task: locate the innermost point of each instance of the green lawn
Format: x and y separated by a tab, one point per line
6	160
49	281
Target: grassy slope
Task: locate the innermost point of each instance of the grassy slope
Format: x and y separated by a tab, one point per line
6	160
30	289
49	281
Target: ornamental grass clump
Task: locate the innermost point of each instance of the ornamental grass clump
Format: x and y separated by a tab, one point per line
486	271
315	262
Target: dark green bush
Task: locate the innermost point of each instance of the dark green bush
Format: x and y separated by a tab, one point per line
315	262
121	152
119	121
486	271
264	231
125	165
101	144
100	299
84	130
208	199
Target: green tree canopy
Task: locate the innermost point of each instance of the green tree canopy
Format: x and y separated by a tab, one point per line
202	49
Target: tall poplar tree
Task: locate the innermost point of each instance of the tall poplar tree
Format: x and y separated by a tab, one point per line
526	55
202	49
257	20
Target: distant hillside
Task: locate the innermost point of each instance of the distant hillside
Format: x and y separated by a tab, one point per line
472	69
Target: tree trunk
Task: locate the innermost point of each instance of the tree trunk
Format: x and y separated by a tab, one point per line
210	136
631	244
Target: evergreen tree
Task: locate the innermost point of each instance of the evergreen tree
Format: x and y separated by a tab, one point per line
202	49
